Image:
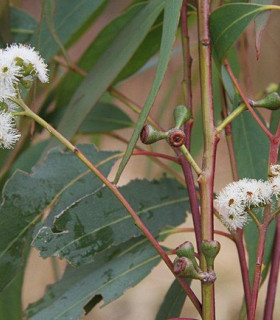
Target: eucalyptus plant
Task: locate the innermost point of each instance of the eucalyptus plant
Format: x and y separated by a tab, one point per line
56	194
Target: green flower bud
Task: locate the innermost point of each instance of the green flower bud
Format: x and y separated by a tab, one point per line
271	102
210	249
3	106
184	268
150	135
186	250
176	137
27	83
181	115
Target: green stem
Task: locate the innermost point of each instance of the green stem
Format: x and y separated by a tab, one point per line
276	212
113	188
254	218
206	179
191	160
235	113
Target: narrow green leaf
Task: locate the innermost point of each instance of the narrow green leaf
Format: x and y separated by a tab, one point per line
105	117
5	31
251	148
260	24
107	68
69	17
228	22
26	196
171	18
95	221
173	302
114	271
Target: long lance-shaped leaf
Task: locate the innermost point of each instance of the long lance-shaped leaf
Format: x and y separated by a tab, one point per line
228	22
26	196
170	23
114	271
107	68
87	225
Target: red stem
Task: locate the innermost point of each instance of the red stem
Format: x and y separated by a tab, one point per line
187	88
156	155
249	107
275	262
238	238
258	267
273	277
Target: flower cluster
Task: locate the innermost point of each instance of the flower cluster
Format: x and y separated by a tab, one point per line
237	198
19	65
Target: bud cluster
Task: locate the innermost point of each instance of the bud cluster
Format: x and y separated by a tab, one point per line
186	266
175	136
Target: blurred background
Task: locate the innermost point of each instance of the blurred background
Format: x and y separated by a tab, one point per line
143	301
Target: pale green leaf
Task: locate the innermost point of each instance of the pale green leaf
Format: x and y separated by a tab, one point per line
69	18
109	65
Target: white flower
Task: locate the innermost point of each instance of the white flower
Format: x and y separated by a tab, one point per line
234	221
275	185
230	199
29	56
255	192
9	73
9	135
275	170
237	197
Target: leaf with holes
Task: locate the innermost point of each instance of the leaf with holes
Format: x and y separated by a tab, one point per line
25	196
97	220
114	271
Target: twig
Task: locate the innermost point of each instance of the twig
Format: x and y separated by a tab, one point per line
187	89
249	107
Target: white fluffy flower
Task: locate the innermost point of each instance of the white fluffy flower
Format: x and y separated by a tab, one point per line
237	197
234	221
275	185
29	56
275	170
230	199
9	135
255	192
9	73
